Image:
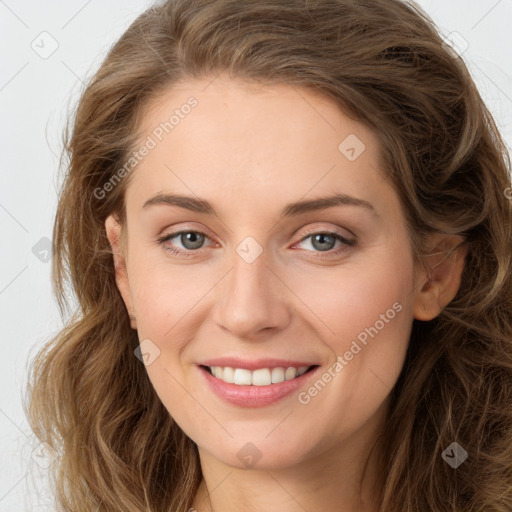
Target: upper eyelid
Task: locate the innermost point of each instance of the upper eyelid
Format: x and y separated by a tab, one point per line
301	231
313	231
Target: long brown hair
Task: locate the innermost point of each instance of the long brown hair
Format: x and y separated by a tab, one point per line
385	65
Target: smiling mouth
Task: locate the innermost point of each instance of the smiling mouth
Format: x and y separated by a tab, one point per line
259	377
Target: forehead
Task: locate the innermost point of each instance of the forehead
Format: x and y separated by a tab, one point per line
274	143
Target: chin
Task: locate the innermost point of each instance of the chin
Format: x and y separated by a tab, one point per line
262	454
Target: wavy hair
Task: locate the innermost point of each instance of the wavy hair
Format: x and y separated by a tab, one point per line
385	65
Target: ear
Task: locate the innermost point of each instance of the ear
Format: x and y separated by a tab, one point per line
114	234
439	282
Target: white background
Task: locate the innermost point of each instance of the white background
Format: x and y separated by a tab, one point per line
36	96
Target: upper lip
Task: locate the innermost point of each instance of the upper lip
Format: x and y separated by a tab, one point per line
234	362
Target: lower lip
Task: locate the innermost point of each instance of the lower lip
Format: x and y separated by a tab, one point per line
254	396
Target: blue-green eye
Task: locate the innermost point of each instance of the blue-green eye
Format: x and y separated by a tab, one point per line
326	241
191	241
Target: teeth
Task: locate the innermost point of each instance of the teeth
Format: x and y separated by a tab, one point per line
260	377
277	375
242	377
302	370
290	373
228	375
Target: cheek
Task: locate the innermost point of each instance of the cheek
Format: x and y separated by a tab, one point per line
365	319
163	299
364	315
163	293
170	303
349	299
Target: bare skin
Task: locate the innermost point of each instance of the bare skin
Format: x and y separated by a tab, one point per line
249	151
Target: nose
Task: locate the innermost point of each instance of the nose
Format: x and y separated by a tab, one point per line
252	298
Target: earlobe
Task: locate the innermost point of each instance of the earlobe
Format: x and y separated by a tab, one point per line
114	229
439	283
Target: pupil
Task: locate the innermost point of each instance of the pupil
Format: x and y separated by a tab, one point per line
191	240
322	237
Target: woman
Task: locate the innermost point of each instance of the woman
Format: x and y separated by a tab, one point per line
288	230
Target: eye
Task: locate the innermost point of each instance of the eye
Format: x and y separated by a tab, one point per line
325	241
190	241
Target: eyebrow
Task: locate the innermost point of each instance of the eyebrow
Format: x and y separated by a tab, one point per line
290	210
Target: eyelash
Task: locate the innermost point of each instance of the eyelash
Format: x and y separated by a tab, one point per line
319	254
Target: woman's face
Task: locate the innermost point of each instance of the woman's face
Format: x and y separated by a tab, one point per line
295	254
